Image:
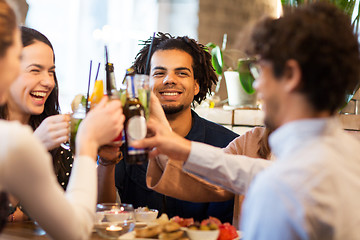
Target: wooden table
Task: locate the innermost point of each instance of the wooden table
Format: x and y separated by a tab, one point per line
28	230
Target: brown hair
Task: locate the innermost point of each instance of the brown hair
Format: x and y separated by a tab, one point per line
264	148
320	38
7	26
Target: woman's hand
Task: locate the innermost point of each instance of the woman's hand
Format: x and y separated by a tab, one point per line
101	125
53	131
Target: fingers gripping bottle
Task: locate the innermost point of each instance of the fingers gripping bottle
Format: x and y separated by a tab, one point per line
135	121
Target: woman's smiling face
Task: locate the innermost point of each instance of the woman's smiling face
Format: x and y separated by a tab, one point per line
31	89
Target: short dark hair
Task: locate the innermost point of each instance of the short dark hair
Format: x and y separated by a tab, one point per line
320	38
203	70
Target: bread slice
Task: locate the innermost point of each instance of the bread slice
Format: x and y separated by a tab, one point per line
171	235
148	232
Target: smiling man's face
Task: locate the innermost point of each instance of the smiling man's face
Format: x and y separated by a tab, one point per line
173	77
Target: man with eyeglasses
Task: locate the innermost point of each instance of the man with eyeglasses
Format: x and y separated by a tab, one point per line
312	190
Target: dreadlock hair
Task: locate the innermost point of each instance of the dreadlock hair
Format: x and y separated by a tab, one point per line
204	72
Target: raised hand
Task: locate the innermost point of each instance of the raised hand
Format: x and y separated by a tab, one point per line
53	131
163	140
110	154
101	125
157	112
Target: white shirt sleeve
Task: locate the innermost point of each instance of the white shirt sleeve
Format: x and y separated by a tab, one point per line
232	172
26	171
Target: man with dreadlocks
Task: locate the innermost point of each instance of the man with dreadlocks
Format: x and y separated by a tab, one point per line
182	74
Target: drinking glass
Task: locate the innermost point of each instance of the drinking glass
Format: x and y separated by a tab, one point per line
75	119
114	220
142	85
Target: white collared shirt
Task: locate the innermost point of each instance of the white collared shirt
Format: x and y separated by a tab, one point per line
312	191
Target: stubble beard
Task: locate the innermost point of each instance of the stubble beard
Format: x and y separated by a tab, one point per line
170	110
270	115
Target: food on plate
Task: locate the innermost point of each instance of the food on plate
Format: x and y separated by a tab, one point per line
171	227
204	227
142	209
148	232
162	219
183	222
227	232
144	214
163	228
171	235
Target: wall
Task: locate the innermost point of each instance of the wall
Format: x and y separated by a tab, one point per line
234	17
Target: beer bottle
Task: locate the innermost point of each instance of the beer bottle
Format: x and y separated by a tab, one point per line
135	121
111	89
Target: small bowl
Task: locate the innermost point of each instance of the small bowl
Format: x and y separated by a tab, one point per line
113	230
202	234
118	216
114	220
146	216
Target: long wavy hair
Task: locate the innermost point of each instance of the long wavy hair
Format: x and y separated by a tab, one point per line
29	36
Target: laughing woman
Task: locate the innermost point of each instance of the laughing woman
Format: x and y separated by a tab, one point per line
26	166
33	100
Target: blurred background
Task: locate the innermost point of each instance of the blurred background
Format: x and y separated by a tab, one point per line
79	29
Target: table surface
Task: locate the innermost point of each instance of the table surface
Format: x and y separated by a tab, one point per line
28	230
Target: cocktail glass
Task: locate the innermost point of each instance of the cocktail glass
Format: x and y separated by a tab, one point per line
142	84
75	119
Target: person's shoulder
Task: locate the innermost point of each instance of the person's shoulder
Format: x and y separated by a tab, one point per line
11	129
212	126
19	137
254	133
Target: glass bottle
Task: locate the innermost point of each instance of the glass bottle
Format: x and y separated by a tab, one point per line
135	121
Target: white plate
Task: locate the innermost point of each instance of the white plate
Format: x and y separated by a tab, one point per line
131	235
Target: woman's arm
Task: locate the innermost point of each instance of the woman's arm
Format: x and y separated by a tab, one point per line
27	173
29	177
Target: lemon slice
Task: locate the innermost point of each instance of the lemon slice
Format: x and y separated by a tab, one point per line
78	100
98	92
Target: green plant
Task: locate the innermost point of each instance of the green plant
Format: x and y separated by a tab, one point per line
217	60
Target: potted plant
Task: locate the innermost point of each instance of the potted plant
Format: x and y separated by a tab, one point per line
236	70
